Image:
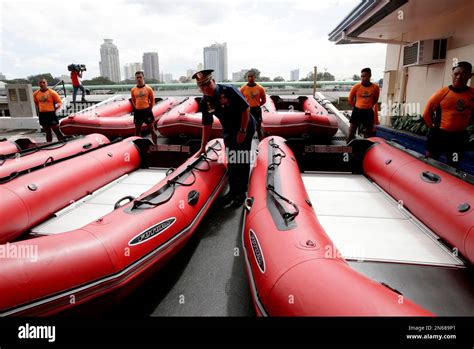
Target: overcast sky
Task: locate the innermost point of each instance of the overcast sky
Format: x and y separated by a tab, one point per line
274	36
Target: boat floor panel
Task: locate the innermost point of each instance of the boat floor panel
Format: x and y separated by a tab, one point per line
366	224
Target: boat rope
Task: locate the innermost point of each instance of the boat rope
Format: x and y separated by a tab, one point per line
172	106
182	102
50	161
278	197
172	183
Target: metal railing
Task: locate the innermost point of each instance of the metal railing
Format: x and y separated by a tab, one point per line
61	86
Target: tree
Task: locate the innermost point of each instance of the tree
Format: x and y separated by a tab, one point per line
326	76
184	79
264	79
257	74
278	78
34	79
355	77
99	80
16	81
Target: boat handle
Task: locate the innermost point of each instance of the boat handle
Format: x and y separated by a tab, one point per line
87	146
430	177
248	204
129	198
6	179
48	160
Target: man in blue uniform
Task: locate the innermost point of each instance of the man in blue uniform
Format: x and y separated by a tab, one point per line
231	108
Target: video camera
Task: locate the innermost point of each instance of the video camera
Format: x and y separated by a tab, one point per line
76	67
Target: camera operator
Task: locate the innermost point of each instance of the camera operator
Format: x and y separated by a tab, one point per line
76	76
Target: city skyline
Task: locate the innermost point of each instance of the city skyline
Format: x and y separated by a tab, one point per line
296	36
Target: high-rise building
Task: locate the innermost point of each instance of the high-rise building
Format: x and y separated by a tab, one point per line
151	65
66	78
130	69
200	67
294	75
167	78
109	61
2	77
215	57
240	75
190	73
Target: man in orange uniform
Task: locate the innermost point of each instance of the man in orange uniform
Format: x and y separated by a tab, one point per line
363	97
143	100
447	114
256	97
48	101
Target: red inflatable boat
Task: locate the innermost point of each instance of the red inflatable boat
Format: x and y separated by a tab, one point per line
293	266
30	198
113	119
185	120
443	202
115	237
297	117
37	156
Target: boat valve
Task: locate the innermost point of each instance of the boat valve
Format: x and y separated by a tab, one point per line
193	197
464	207
430	177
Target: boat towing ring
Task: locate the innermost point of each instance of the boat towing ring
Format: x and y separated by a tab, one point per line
248	204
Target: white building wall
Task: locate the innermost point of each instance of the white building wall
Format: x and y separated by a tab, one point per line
414	85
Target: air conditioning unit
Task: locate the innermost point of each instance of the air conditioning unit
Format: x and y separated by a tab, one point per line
425	52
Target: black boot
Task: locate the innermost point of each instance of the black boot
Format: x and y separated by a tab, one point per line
238	200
